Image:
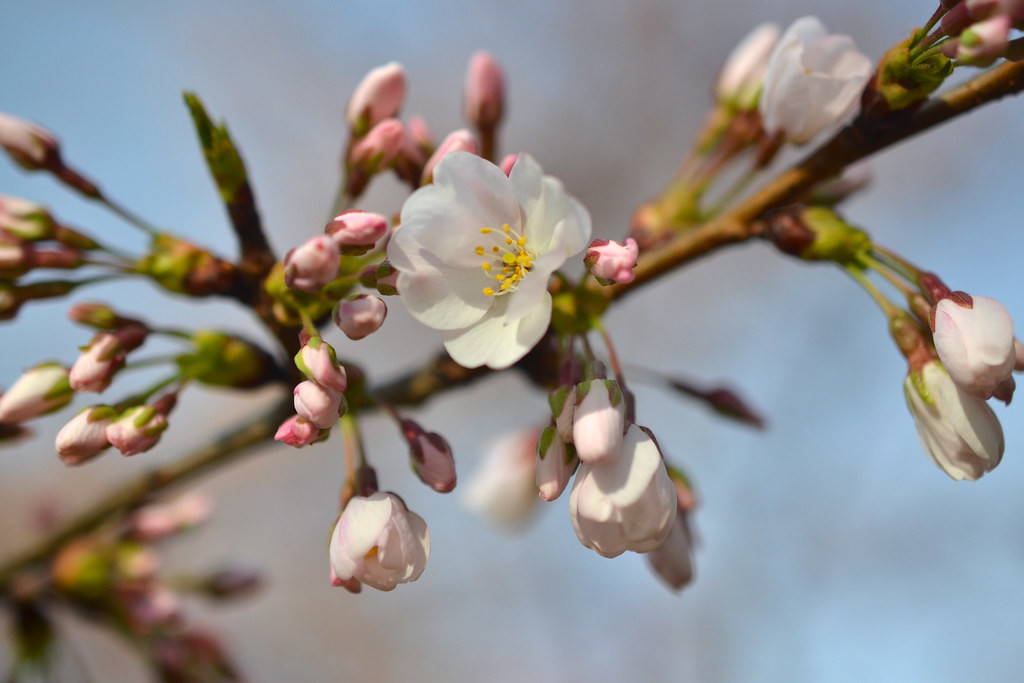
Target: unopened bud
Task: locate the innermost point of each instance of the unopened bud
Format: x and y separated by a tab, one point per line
610	262
556	461
99	316
136	430
599	420
377	97
84	437
982	43
419	133
25	220
739	83
508	162
31	147
355	232
318	404
318	361
312	265
41	390
103	357
379	149
430	457
458	141
297	432
563	403
485	92
360	316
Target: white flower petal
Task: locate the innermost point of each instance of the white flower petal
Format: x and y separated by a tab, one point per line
445	299
495	341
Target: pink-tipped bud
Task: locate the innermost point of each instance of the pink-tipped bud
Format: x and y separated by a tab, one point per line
386	278
25	220
598	421
485	91
94	370
318	361
419	133
563	403
85	436
41	390
974	339
739	83
611	262
318	404
556	462
377	97
380	148
30	146
673	559
297	432
984	9
430	457
360	316
508	162
312	265
136	430
984	42
458	141
355	231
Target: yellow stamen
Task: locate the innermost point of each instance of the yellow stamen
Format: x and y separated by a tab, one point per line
488	291
485	231
485	266
495	249
479	251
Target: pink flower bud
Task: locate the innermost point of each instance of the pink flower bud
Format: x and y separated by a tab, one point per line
555	464
813	82
360	316
419	133
974	339
30	146
503	488
611	262
297	432
598	421
983	9
357	231
25	220
41	390
312	265
380	148
673	559
379	542
627	503
984	42
563	404
430	457
508	162
136	430
318	404
459	141
386	278
158	520
960	433
318	361
377	97
94	370
739	83
85	436
485	91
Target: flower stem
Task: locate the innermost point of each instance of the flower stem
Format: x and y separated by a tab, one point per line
890	309
129	217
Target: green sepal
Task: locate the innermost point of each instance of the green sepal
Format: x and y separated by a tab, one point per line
558	398
834	239
547	437
221	360
904	80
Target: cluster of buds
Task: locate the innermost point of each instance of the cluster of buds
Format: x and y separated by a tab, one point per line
320	399
130	430
979	30
317	262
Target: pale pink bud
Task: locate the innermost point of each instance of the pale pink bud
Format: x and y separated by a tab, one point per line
458	141
136	430
611	262
984	42
430	457
598	421
25	220
563	404
508	162
974	339
503	487
317	361
159	520
85	436
360	316
297	432
485	91
377	97
813	82
380	148
627	503
94	370
960	433
30	146
15	256
556	462
379	542
312	265
41	390
673	559
739	83
386	278
983	9
419	133
319	405
359	229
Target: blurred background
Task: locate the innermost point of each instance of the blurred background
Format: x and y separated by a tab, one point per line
831	548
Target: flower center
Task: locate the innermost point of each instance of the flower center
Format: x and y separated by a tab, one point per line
507	259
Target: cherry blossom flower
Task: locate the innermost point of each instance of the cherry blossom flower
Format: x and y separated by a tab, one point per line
974	339
475	251
628	503
813	81
379	542
960	433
